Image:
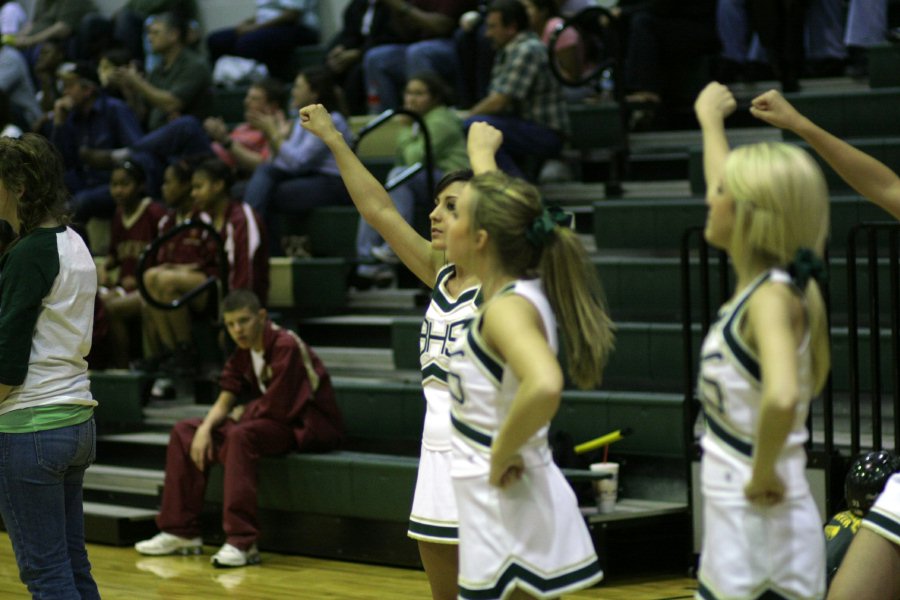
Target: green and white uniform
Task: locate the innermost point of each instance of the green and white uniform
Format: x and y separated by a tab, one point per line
434	517
530	535
750	550
884	517
48	283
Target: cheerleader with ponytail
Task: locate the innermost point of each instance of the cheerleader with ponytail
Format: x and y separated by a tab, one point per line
506	384
762	363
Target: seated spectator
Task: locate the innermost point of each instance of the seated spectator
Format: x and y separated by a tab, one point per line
128	22
365	24
53	20
270	35
301	173
276	397
427	28
427	96
545	18
16	84
246	250
163	331
179	85
242	148
524	99
86	120
661	38
50	57
134	225
779	27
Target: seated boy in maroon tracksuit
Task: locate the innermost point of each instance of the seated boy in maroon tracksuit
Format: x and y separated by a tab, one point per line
293	408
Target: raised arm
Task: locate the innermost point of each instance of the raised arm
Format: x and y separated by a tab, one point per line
868	176
371	199
712	106
482	144
512	326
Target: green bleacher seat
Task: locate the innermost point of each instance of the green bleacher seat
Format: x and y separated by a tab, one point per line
884	68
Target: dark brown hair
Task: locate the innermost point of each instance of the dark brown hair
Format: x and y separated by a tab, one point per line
31	166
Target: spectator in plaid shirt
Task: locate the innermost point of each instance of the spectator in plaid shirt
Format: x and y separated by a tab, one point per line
524	99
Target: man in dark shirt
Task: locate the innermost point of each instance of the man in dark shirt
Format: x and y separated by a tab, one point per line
179	85
85	118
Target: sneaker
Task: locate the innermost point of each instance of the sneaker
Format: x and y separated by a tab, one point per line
163	389
368	276
230	556
385	254
164	543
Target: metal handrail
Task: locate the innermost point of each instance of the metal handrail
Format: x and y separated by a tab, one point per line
387	116
149	256
871	230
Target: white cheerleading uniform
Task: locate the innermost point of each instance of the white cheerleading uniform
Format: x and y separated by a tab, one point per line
434	517
750	550
530	535
884	516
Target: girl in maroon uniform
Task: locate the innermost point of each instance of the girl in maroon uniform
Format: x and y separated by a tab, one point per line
134	225
245	247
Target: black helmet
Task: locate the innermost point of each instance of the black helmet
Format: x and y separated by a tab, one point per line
867	476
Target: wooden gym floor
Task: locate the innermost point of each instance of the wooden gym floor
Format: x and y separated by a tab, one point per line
122	574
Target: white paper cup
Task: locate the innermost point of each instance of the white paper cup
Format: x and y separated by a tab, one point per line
607	490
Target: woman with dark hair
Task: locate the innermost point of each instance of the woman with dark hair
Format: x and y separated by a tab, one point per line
428	96
134	225
301	173
47	286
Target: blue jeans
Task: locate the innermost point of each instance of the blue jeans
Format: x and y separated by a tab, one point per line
388	67
273	192
521	139
41	476
866	22
270	45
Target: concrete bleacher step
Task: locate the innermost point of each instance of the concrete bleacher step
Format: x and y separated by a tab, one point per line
121	479
850	113
886	149
884	65
657	224
116	524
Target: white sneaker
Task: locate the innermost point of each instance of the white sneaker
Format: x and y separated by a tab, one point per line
385	254
231	556
165	543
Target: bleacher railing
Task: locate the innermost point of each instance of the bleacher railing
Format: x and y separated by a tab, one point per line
148	259
866	317
383	118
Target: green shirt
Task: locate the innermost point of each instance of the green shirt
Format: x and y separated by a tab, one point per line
189	79
448	142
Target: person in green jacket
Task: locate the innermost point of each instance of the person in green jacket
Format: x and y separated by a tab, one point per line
428	96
